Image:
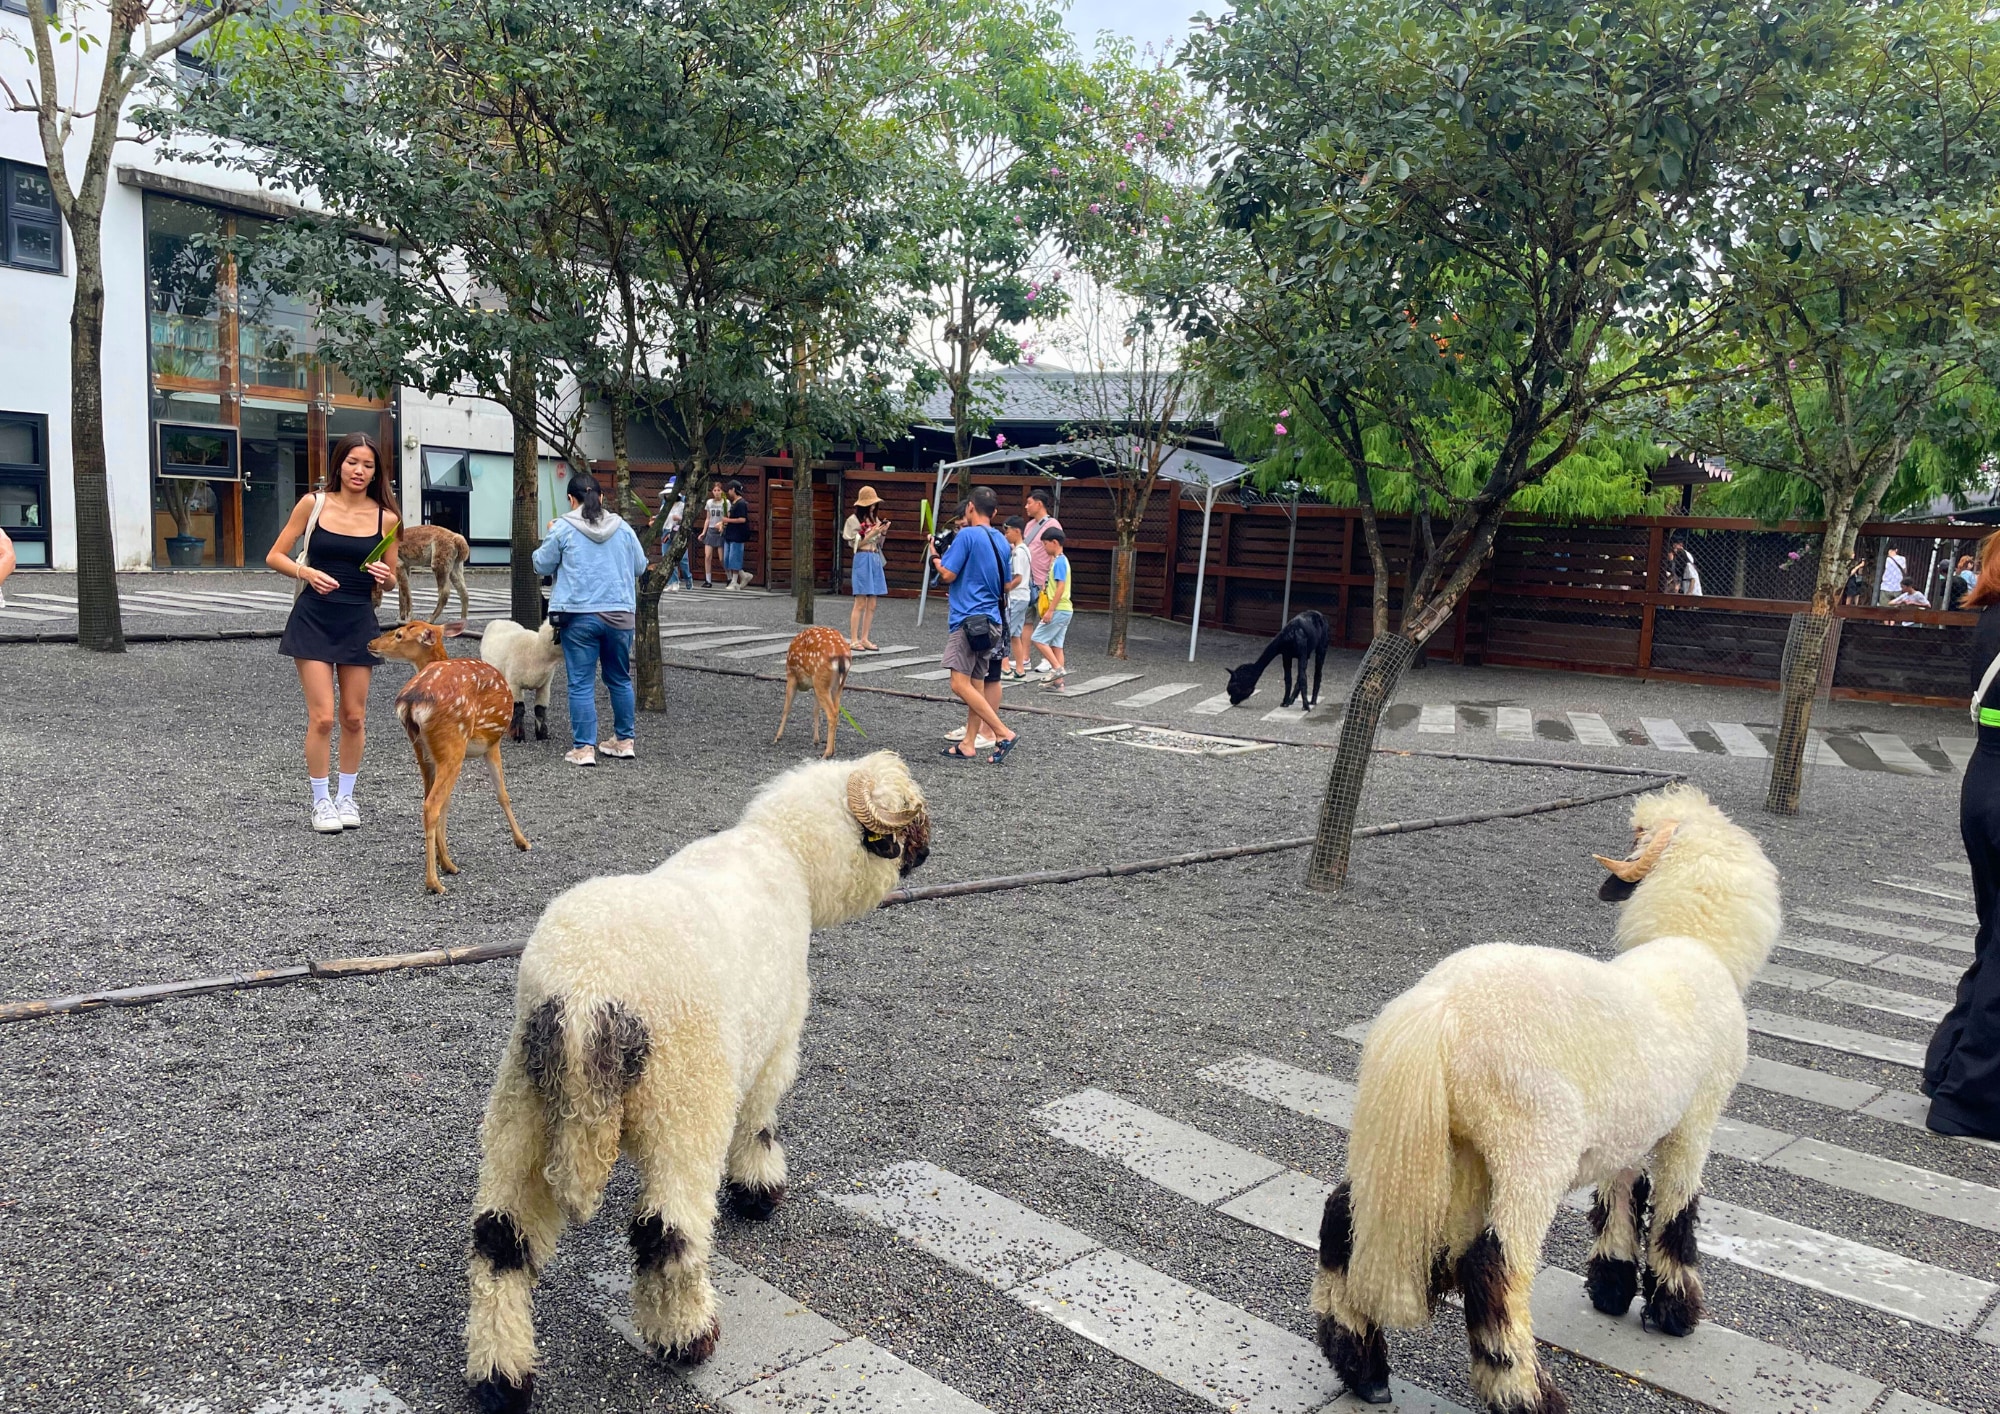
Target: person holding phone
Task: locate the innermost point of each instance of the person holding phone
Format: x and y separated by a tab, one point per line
333	616
976	567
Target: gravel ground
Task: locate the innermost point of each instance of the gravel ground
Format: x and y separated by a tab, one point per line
210	1197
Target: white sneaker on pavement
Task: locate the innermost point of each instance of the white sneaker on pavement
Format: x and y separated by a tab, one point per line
326	820
582	756
624	750
348	811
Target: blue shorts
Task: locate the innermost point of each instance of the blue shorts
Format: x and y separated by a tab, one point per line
1051	631
732	555
1017	617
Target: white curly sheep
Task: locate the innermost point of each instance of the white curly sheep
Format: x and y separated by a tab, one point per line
1510	1075
663	1011
528	660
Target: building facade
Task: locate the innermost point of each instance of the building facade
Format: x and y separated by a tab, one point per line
217	415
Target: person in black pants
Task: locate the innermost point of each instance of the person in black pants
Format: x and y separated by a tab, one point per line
334	615
1962	1068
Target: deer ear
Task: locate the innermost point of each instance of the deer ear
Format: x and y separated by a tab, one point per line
428	637
454	629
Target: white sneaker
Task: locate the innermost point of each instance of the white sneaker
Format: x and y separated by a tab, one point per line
674	587
325	818
1043	666
984	743
582	756
348	811
624	750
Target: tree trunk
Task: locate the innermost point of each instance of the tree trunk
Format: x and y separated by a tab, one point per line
649	677
524	585
99	626
1378	565
1805	660
1381	669
802	534
1124	570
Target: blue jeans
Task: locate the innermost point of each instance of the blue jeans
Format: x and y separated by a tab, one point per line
588	644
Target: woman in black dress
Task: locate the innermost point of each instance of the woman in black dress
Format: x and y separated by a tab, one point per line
334	616
1962	1069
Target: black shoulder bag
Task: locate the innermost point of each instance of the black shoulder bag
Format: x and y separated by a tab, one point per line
980	629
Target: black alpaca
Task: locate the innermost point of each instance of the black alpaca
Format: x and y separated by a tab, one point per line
1304	637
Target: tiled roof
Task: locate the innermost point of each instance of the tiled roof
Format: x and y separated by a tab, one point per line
1023	395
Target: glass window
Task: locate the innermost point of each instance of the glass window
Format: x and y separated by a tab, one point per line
274	336
183	271
30	229
492	513
446	469
24	485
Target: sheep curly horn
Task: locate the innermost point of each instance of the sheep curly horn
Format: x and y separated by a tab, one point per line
1641	863
861	804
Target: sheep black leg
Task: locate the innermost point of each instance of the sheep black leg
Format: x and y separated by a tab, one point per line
514	1228
1351	1342
541	722
1616	1216
673	1222
756	1163
515	731
1496	1278
1673	1287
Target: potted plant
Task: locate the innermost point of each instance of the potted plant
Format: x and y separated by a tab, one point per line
186	500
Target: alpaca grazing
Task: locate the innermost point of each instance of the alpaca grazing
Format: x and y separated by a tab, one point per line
450	706
442	552
660	1013
1510	1075
818	659
1306	636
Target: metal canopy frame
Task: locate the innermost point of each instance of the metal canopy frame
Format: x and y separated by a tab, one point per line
1211	473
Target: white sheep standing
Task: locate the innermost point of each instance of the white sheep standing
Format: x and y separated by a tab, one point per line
528	660
1510	1075
663	1010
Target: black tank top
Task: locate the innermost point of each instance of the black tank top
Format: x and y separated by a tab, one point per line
339	555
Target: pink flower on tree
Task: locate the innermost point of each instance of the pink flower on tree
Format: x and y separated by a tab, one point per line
1284	412
1096	207
1278	428
999	439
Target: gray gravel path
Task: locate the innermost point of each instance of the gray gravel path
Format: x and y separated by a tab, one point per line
208	1198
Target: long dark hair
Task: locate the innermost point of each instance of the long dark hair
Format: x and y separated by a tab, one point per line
583	486
381	490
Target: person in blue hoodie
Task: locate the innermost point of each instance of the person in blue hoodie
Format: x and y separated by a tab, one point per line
596	560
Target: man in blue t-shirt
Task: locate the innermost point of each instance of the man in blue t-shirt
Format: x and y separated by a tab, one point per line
978	570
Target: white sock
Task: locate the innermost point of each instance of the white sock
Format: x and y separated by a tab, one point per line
319	788
347	783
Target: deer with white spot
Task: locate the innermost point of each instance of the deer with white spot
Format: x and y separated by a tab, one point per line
818	659
451	706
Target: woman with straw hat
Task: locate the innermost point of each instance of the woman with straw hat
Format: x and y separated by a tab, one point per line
865	532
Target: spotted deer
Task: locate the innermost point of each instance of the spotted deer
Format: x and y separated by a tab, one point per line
817	659
444	553
451	706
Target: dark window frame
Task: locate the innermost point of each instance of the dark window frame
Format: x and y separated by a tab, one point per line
27	474
20	7
50	221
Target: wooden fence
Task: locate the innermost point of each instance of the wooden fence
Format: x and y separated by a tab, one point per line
1578	598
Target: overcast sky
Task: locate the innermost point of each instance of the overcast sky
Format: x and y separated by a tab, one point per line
1156	21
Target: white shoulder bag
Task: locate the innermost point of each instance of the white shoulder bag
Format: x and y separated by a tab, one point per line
312	524
1985	682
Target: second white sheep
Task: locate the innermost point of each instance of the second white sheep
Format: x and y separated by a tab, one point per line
529	661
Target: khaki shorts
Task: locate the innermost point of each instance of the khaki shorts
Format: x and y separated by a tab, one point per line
959	657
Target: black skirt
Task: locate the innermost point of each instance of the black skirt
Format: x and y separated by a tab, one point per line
331	629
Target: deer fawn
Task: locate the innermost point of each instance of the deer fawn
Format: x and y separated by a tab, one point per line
817	659
451	705
444	553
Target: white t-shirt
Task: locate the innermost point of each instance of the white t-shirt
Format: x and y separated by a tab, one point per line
1019	593
1892	573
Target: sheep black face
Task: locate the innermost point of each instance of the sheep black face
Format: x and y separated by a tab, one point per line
1243	682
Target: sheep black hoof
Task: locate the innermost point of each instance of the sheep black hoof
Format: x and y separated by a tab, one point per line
496	1394
1672	1313
691	1352
514	730
1361	1362
752	1203
1612	1284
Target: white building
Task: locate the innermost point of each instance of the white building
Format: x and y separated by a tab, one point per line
216	416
